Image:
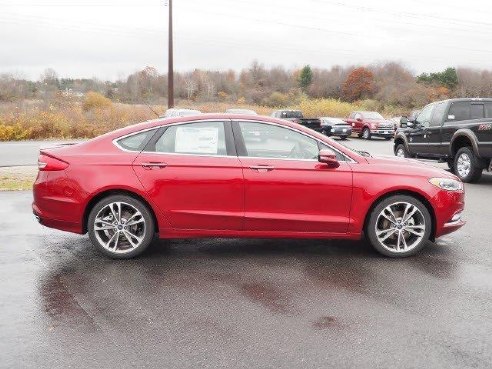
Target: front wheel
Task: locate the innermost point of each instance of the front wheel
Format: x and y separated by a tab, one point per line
366	134
467	166
120	226
399	226
401	151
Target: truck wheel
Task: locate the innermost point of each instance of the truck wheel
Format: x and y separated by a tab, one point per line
366	134
399	226
401	151
325	132
467	166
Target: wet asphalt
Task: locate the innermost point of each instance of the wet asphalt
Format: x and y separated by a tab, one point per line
244	303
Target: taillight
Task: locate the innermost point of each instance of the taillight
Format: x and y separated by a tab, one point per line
49	163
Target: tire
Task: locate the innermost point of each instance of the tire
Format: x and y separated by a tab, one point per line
467	166
366	134
343	137
450	163
116	238
324	132
406	237
401	151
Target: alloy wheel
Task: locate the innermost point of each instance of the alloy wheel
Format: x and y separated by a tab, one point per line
400	227
463	165
119	227
400	152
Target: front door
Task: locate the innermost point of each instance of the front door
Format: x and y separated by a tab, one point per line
286	188
193	175
419	136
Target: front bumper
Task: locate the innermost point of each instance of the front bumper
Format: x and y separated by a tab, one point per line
448	212
341	131
385	132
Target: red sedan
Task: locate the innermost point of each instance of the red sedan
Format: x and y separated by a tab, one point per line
239	176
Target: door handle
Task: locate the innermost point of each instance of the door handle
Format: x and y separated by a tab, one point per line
153	165
262	168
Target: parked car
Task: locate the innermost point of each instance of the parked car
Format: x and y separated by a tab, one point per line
458	131
203	177
335	127
370	123
178	112
241	111
296	116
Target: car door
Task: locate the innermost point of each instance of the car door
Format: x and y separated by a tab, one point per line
191	171
286	188
417	137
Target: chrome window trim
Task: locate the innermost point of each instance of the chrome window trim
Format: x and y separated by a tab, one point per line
115	140
298	131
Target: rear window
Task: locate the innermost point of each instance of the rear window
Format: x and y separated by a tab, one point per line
459	111
477	111
137	141
488	110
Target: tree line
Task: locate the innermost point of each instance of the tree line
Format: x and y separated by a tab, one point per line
390	84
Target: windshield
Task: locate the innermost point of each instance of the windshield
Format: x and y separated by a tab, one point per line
334	120
372	115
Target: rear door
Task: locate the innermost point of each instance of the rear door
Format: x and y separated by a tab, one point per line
191	171
286	188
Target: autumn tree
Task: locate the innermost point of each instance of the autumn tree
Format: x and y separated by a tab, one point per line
305	78
358	85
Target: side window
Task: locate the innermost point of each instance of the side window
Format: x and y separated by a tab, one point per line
270	141
137	141
459	111
477	111
488	109
201	138
438	115
425	115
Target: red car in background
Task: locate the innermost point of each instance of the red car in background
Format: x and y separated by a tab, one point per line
210	176
370	123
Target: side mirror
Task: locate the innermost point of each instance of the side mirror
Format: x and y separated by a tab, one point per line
328	156
359	119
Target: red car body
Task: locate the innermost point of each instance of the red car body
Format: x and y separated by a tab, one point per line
211	196
375	124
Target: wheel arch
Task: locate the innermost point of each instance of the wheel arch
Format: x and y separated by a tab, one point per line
463	138
399	140
110	192
414	194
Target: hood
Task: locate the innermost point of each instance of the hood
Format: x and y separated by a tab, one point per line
407	167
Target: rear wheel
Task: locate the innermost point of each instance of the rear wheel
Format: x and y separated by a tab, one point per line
399	226
366	134
121	226
467	166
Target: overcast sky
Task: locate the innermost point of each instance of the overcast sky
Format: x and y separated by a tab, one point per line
111	38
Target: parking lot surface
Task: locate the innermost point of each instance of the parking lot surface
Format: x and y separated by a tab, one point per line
224	303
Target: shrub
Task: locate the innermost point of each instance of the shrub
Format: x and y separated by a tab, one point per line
94	100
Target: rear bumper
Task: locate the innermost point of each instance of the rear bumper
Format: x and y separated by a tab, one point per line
56	204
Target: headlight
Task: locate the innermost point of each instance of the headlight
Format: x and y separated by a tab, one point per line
447	184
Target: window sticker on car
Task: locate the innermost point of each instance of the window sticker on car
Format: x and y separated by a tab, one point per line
197	140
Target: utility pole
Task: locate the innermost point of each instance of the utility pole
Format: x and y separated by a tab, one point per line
170	71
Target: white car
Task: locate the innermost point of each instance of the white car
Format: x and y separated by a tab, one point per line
177	112
241	111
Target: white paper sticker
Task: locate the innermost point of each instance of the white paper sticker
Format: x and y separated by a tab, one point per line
202	140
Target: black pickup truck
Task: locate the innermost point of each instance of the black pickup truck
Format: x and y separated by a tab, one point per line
457	131
297	117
